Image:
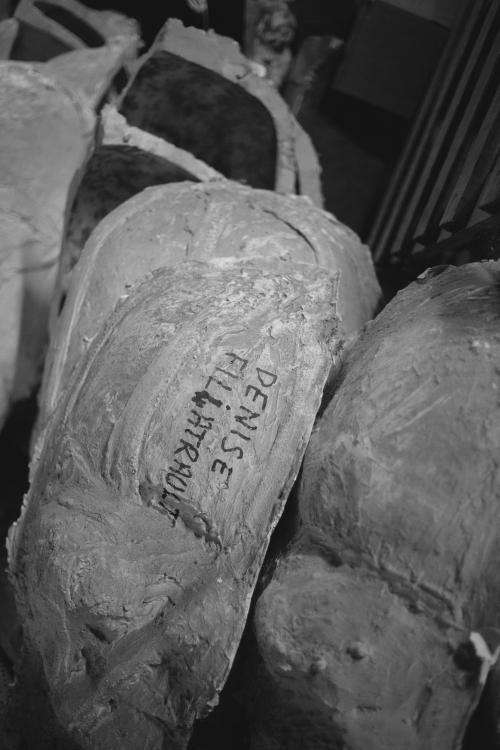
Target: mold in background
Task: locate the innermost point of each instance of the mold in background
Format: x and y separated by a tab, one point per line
199	91
200	111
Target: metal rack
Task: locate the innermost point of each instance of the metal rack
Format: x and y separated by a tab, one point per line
443	201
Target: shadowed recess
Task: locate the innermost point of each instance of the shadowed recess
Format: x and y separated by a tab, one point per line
114	174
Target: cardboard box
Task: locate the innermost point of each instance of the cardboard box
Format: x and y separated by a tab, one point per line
440	11
390	58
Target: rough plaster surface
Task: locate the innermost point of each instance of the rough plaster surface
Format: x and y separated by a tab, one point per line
93	69
162	474
8	33
397	557
46	137
125	161
63	25
165	225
